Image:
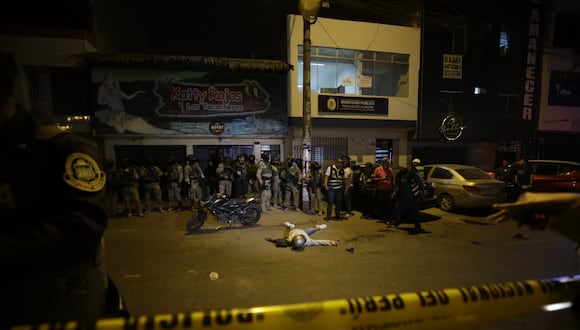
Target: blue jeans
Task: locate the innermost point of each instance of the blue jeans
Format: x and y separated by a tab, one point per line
335	197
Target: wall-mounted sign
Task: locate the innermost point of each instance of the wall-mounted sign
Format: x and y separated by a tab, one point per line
452	66
177	102
181	99
451	126
365	81
216	127
352	105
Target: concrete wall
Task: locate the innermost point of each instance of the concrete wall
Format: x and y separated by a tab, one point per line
362	36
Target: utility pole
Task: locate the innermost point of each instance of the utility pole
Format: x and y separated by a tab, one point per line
309	10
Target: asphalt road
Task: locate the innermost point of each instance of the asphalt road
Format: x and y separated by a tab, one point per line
160	268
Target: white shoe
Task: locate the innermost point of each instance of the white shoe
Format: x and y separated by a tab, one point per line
289	225
322	226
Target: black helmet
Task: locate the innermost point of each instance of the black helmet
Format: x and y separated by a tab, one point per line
191	159
314	165
298	242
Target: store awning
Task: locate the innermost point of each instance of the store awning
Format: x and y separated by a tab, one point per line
183	62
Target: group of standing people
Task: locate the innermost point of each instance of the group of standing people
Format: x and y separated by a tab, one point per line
390	197
140	187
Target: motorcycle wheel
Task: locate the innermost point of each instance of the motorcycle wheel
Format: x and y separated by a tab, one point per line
196	221
251	215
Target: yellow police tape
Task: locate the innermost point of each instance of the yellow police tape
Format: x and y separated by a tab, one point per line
453	308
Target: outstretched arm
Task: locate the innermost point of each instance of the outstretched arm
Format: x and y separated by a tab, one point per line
131	96
558	211
322	242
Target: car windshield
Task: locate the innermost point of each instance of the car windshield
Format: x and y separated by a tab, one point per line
473	173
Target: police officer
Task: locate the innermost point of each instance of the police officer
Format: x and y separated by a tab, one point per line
51	252
276	183
314	181
264	176
151	176
241	176
225	173
292	177
175	180
334	185
193	175
130	188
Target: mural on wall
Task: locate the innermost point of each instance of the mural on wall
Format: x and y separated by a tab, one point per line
156	102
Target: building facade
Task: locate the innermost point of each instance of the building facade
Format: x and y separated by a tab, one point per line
466	85
486	84
364	83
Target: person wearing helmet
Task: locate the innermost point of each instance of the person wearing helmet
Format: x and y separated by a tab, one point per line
264	177
418	167
314	181
292	178
298	239
276	183
175	181
225	174
193	176
240	184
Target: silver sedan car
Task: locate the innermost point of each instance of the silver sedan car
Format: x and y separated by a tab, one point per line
464	186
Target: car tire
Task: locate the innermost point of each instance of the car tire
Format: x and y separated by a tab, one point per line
446	202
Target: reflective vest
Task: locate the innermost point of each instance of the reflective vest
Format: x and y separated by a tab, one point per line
336	178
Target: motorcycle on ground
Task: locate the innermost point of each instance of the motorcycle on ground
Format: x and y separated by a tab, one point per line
245	210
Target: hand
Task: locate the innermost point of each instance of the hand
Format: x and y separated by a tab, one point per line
529	204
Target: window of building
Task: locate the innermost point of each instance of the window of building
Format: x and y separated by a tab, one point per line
504	42
453	40
512	104
384	148
356	72
451	100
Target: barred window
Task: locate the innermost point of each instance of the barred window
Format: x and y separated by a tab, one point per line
325	150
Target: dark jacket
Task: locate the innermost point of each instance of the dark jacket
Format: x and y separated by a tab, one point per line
53	211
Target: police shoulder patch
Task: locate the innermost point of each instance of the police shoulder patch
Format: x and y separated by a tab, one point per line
82	172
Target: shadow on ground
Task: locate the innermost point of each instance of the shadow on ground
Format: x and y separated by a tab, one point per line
217	228
475	212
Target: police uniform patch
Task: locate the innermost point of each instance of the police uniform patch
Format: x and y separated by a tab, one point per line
82	172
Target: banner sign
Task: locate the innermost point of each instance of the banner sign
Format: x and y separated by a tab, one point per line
338	104
190	100
533	69
158	102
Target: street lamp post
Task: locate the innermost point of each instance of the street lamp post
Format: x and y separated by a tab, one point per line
309	10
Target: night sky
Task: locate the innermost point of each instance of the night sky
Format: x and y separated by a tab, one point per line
245	29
